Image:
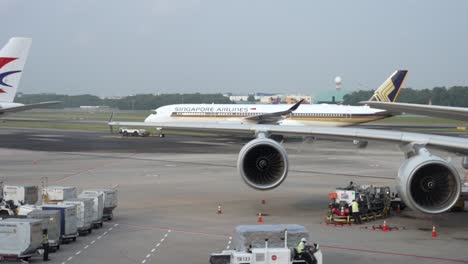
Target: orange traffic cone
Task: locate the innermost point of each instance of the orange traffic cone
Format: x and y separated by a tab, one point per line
384	227
434	233
219	211
259	219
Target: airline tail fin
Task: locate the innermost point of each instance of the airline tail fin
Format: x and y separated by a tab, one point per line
389	90
12	59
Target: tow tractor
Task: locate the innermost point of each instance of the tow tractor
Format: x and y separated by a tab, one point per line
133	132
374	202
268	255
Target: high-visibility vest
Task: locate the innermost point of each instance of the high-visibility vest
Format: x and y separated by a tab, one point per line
355	207
300	247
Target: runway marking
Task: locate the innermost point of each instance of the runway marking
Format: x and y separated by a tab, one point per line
229	243
178	230
91	169
153	250
85	247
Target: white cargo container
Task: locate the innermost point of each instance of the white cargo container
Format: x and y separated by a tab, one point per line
68	220
20	238
98	206
110	200
84	212
51	222
55	194
21	194
24	210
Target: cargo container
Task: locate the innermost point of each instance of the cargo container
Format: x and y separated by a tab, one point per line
24	210
84	212
20	238
55	194
21	194
98	207
110	201
68	220
51	222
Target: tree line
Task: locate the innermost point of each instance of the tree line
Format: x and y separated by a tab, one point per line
453	96
136	102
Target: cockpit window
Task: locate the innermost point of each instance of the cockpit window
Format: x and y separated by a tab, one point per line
154	112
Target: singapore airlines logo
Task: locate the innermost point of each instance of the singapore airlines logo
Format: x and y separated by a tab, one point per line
4	61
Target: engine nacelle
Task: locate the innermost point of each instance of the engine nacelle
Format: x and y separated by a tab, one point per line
428	183
263	164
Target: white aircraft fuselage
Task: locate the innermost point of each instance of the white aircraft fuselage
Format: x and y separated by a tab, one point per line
306	114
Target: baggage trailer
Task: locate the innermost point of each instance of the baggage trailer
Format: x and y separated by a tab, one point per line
68	221
98	207
20	238
262	244
21	194
51	222
84	212
56	194
110	201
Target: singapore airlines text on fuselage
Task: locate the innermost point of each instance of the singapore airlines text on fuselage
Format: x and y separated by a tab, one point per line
314	114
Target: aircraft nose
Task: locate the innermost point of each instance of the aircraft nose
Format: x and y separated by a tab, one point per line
149	118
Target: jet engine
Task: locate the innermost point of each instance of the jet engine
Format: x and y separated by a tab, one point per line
263	163
428	183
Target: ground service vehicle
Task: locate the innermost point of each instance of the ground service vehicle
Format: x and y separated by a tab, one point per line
133	132
276	249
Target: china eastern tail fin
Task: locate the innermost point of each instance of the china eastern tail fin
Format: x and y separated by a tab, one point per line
389	90
12	59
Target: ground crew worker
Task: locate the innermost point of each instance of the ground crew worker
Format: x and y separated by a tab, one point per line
355	211
301	254
45	245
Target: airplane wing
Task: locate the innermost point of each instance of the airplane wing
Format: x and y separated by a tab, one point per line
26	107
456	113
274	117
453	144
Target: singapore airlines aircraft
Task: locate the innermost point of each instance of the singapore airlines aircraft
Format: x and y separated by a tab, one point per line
12	59
425	182
314	114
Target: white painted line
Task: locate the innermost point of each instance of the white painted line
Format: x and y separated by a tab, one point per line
77	253
157	245
87	246
70	258
116	224
169	231
144	261
92	242
165	235
105	233
99	237
147	256
110	229
153	250
162	239
227	247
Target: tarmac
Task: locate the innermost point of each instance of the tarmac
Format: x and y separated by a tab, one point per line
170	188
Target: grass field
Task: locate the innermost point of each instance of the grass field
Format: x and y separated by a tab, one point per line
134	116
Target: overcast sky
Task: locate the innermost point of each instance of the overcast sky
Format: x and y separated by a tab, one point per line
116	47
